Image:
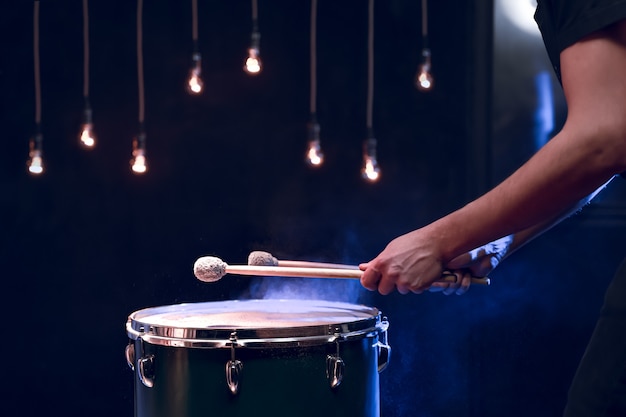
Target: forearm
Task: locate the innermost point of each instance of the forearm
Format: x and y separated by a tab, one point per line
531	200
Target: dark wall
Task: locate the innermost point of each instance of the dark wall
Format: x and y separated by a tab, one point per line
88	242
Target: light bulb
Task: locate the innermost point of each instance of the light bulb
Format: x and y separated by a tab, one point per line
35	161
194	84
138	163
370	170
87	138
253	62
424	80
314	155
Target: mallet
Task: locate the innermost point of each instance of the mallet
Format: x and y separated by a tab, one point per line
211	269
261	258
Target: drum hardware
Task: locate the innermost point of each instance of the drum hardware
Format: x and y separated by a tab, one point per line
145	364
384	349
130	355
233	367
335	366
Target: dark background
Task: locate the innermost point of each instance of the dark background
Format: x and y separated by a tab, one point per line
88	242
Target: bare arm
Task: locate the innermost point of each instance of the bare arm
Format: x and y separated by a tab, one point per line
589	150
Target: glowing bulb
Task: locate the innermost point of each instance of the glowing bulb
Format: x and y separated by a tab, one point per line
35	164
370	171
253	62
194	84
424	80
139	163
35	161
314	154
87	138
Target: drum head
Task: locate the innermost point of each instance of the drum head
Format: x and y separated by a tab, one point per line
211	324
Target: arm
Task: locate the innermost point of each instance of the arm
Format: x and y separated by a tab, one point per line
589	150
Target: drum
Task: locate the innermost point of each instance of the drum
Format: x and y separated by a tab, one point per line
257	357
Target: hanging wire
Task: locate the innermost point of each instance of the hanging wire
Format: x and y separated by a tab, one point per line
138	163
35	162
370	170
140	61
313	57
314	155
86	48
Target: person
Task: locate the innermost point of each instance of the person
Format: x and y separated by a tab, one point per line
586	43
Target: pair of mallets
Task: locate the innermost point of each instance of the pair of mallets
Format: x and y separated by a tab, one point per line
211	269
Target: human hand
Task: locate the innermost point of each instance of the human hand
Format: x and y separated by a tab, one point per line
409	263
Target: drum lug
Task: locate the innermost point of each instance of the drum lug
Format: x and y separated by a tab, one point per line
334	370
145	364
234	367
384	349
335	366
130	355
146	370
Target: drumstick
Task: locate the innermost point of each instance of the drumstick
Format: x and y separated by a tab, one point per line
261	258
211	269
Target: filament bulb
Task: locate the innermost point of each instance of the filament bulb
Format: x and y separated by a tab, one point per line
138	163
314	155
253	62
35	161
370	170
194	84
87	138
424	79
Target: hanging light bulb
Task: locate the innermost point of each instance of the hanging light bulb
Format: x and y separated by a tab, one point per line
35	161
314	155
194	84
87	138
370	170
138	163
424	78
253	63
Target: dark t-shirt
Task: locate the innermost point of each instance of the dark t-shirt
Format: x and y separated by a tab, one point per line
563	22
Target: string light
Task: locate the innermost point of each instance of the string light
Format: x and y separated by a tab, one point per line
138	162
194	83
370	170
35	154
86	137
314	155
424	79
252	64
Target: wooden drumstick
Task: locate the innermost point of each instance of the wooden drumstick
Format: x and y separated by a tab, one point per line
211	269
261	258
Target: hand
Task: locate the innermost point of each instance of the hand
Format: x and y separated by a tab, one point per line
481	261
411	262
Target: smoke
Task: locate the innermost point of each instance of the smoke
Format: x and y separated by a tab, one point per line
344	290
